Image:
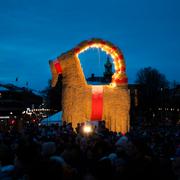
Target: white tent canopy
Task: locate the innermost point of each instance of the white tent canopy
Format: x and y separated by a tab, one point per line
53	119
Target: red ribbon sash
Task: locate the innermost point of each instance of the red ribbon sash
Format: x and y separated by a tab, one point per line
58	67
97	103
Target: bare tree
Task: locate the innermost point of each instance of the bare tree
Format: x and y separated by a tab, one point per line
153	89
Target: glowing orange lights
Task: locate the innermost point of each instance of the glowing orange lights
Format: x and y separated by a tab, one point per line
119	77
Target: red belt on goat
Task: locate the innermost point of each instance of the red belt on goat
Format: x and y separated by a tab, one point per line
58	67
97	96
97	103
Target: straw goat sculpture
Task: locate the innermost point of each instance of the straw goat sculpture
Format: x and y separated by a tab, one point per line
82	102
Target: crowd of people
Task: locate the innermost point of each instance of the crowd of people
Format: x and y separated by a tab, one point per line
64	153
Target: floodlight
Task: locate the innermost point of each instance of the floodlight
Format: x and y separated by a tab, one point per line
87	128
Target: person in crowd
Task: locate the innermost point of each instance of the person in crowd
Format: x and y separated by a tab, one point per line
63	153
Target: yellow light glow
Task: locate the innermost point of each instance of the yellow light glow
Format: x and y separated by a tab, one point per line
113	85
109	49
87	129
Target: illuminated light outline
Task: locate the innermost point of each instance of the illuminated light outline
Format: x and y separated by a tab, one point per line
119	77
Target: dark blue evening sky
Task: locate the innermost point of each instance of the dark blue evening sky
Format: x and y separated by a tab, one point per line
34	31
